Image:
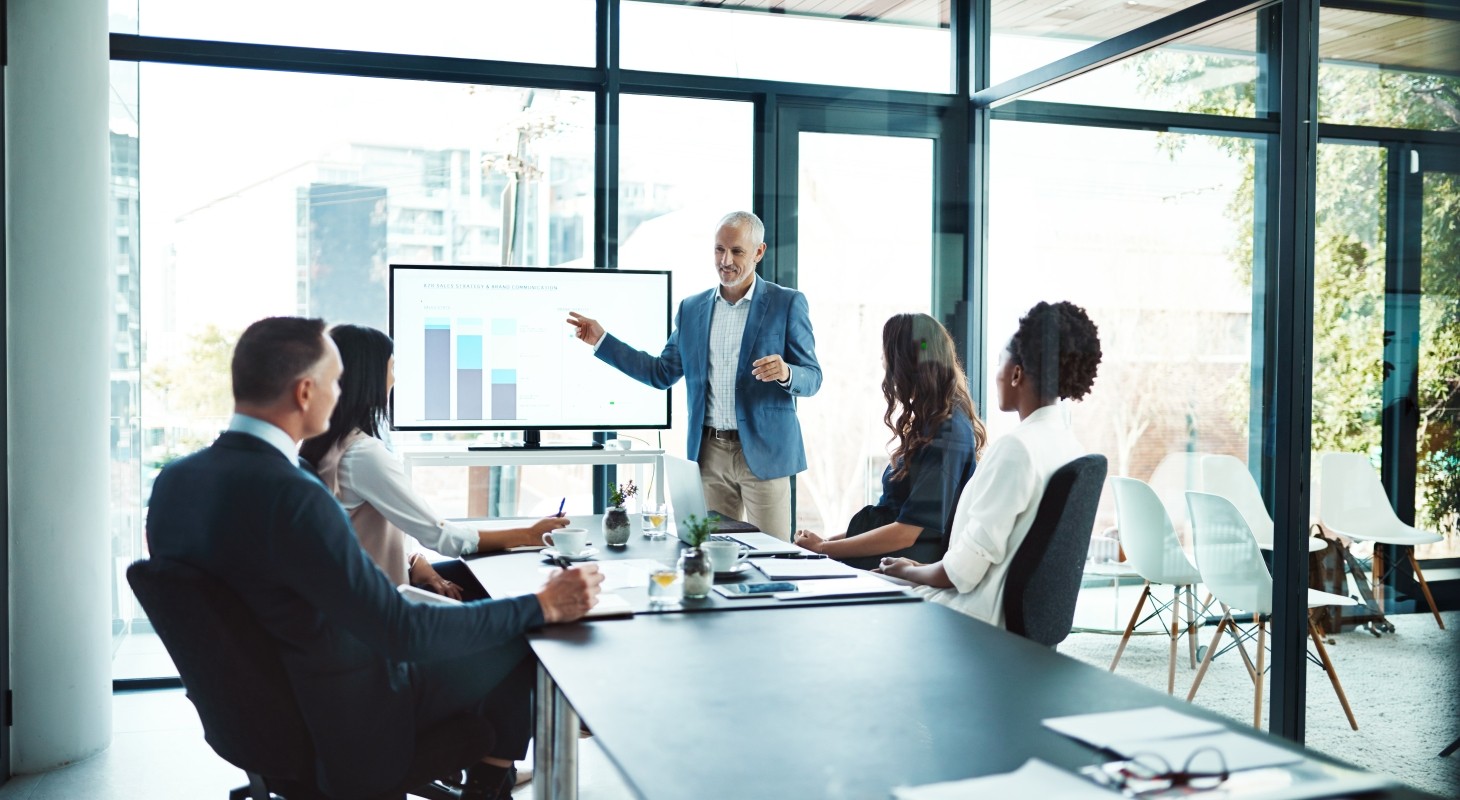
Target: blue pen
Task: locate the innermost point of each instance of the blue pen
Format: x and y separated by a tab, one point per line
561	503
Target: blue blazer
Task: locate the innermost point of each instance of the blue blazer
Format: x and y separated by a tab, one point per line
779	324
271	532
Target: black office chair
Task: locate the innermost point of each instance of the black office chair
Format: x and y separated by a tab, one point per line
1045	573
231	670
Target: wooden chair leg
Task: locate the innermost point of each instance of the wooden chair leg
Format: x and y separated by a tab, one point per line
1425	587
1376	577
1332	674
1261	657
1207	662
1131	626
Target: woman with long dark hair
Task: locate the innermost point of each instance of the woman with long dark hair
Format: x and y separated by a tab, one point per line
367	478
1053	356
937	435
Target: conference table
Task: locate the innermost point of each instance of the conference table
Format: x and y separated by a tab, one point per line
810	701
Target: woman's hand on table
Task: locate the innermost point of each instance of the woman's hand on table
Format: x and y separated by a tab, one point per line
896	567
810	540
423	576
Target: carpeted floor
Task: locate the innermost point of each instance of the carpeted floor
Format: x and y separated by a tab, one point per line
1404	689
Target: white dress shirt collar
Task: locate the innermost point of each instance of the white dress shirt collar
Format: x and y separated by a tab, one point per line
269	432
749	293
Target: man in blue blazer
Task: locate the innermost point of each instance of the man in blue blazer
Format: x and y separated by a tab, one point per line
369	669
746	351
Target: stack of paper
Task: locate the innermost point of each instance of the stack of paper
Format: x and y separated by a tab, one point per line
1172	736
1260	769
859	585
795	569
1035	779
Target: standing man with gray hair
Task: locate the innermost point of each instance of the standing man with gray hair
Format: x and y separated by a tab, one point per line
746	351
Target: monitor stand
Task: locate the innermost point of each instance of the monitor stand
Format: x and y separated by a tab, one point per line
532	440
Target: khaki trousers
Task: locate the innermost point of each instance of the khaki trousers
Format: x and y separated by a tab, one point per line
732	489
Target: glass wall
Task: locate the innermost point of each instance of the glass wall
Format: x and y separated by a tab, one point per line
1388	70
273	193
1437	501
1212	71
1152	234
542	31
683	164
749	40
864	252
1027	35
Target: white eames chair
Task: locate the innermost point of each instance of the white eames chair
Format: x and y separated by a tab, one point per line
1228	477
1232	569
1151	547
1354	505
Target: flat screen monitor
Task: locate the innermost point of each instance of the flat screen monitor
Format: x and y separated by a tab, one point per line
489	348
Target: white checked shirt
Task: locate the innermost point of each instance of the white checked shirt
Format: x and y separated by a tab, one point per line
727	329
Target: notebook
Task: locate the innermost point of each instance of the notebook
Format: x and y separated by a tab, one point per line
687	496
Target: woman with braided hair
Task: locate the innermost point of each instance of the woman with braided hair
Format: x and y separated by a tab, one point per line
1053	356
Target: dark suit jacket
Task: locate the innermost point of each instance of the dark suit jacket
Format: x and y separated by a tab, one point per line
779	324
272	533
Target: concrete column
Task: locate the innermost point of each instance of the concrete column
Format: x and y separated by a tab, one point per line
58	308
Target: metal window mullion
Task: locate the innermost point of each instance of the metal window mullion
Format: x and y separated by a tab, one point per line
1292	365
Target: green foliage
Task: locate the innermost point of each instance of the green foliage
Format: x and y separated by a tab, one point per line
698	529
1349	246
620	494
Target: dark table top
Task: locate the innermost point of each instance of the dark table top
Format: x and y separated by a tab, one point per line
827	702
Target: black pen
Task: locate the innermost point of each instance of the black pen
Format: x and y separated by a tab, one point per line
799	555
561	562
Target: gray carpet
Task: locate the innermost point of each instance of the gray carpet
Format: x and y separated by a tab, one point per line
1404	689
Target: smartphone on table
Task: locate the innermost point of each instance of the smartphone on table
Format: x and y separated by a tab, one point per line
738	590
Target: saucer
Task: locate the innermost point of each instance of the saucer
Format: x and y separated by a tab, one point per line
583	555
731	573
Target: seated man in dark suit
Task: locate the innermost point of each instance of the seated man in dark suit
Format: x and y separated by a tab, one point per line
369	669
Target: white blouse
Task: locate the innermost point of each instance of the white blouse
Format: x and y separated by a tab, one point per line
370	473
996	509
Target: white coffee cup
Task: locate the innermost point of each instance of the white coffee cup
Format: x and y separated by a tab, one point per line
725	556
568	541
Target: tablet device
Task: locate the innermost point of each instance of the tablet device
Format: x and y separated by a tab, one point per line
764	588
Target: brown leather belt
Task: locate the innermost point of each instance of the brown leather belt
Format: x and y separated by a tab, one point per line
728	435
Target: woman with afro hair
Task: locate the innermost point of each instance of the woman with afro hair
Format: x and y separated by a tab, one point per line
1052	357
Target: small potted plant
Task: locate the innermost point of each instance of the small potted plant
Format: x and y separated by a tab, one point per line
616	522
694	563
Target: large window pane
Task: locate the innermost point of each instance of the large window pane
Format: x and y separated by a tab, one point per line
1388	70
1212	71
864	252
278	193
683	164
1151	234
1349	241
136	653
1437	501
911	42
537	31
1028	34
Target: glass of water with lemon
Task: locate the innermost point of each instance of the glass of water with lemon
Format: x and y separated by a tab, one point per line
666	585
655	515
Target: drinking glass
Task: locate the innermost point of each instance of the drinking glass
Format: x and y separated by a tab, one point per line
655	515
666	585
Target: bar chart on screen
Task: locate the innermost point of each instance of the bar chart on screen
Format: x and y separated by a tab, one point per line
489	348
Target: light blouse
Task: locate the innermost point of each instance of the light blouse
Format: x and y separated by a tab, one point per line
371	483
996	510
